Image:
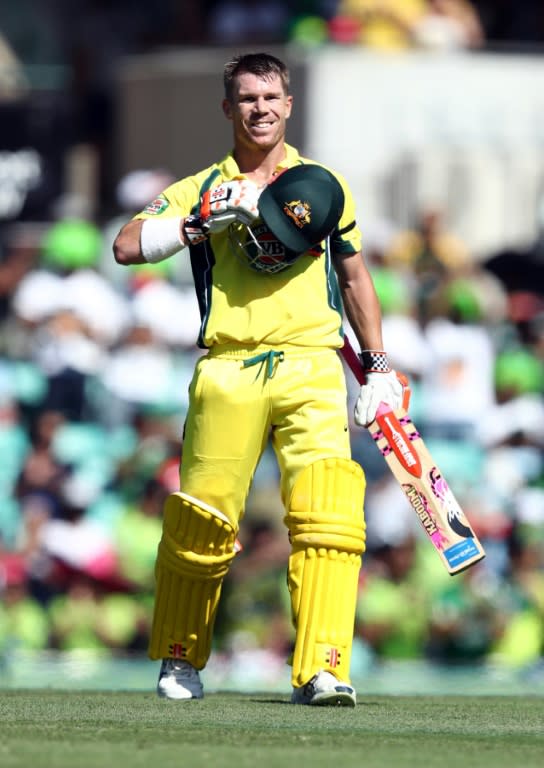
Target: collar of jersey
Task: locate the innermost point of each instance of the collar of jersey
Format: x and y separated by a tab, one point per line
228	167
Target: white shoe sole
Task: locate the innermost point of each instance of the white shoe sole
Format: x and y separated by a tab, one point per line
333	699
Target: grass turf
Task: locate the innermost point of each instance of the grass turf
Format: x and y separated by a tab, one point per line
56	729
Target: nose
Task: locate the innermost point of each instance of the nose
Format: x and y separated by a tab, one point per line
260	104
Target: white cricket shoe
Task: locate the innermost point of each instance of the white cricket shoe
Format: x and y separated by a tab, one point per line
179	680
325	690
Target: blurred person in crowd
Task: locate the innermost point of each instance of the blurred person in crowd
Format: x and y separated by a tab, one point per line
69	535
463	623
24	623
520	611
155	451
272	328
384	25
394	599
133	191
70	314
254	598
136	534
512	433
19	253
120	394
431	252
233	22
448	25
396	25
457	387
42	472
94	615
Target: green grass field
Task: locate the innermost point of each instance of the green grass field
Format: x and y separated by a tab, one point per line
57	729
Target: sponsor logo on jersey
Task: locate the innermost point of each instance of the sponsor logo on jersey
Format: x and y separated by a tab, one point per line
156	206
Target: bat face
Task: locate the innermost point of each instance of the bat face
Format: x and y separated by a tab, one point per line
426	489
424	485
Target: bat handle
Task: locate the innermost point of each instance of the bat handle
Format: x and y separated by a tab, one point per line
350	356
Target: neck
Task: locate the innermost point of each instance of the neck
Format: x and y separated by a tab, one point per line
259	166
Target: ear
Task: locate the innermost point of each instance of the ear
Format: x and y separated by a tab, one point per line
227	109
289	104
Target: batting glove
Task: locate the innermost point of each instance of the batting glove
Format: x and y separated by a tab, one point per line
221	206
382	385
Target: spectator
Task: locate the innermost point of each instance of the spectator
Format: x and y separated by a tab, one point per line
463	624
393	605
448	25
457	386
23	620
234	22
384	25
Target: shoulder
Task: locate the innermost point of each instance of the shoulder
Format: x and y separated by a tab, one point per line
182	195
310	161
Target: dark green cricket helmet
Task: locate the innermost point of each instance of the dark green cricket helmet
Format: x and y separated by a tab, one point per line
302	206
298	210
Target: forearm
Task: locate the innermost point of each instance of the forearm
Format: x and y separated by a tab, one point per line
361	303
148	241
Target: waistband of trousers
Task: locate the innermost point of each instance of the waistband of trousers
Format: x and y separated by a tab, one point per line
244	351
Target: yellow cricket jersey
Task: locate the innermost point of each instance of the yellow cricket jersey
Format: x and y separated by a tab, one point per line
299	306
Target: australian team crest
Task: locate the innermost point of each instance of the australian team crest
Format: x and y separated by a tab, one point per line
299	212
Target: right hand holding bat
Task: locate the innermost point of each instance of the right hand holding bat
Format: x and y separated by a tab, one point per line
378	388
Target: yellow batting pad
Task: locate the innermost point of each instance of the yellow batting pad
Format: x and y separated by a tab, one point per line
195	552
327	533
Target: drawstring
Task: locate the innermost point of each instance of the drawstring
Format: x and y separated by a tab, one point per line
264	357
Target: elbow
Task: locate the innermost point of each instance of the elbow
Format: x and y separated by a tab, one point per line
126	248
120	253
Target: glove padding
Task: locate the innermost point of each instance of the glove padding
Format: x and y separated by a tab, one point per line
229	202
389	388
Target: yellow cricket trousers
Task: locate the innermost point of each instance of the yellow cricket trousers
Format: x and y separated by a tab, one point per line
240	397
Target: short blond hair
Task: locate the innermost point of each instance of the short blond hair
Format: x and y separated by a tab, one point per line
261	64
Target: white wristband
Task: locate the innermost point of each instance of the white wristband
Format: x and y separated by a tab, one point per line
160	238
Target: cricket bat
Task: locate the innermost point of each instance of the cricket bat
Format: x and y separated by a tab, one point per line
425	487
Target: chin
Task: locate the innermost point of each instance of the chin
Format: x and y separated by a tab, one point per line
264	142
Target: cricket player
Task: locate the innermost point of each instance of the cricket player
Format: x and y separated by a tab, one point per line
276	255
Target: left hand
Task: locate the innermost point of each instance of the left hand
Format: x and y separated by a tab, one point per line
389	388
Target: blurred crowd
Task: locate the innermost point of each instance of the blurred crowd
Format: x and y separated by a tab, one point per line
126	25
96	359
94	369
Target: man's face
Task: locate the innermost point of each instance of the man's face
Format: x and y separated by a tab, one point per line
258	110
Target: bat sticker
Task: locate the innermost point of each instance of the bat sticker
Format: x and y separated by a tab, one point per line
442	491
399	442
424	512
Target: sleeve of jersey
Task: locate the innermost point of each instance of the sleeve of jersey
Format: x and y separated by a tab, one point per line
176	200
346	238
